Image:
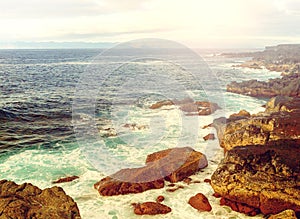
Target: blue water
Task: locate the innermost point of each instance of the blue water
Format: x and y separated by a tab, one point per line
54	102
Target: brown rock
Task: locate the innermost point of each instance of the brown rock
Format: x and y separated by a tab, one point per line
175	189
240	207
151	208
279	121
200	202
207	181
172	164
287	214
135	180
66	179
160	198
216	195
161	103
187	180
264	177
28	201
178	163
242	113
209	137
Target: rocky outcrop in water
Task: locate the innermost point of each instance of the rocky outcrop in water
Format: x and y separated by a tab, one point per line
283	58
172	164
66	179
200	202
263	177
189	106
150	208
28	201
280	121
288	85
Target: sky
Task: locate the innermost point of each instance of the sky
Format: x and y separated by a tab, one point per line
195	23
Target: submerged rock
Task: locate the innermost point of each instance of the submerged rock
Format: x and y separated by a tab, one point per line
28	201
189	106
263	177
66	179
200	202
210	136
150	208
172	164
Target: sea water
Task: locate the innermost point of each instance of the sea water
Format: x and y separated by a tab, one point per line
38	143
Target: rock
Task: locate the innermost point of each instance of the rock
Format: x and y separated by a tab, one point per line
160	198
207	181
209	137
287	214
177	163
161	104
175	189
240	207
151	208
134	126
264	177
288	85
200	202
189	106
28	201
172	164
241	114
278	122
66	179
135	180
187	180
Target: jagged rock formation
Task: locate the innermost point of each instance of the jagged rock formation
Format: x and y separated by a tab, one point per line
263	177
283	58
279	121
27	201
288	85
172	164
189	106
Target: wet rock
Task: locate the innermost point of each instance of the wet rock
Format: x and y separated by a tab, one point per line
240	207
28	201
134	127
177	163
160	198
151	208
209	137
288	85
175	189
278	122
189	106
134	180
172	164
241	114
200	202
207	181
287	214
66	179
161	104
264	177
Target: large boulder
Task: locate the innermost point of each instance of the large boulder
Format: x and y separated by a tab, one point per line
172	164
28	201
279	121
263	177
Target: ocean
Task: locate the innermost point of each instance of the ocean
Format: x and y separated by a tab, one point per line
64	112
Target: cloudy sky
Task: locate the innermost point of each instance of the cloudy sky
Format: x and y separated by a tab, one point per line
196	23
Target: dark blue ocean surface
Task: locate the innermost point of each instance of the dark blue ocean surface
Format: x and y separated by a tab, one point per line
38	87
